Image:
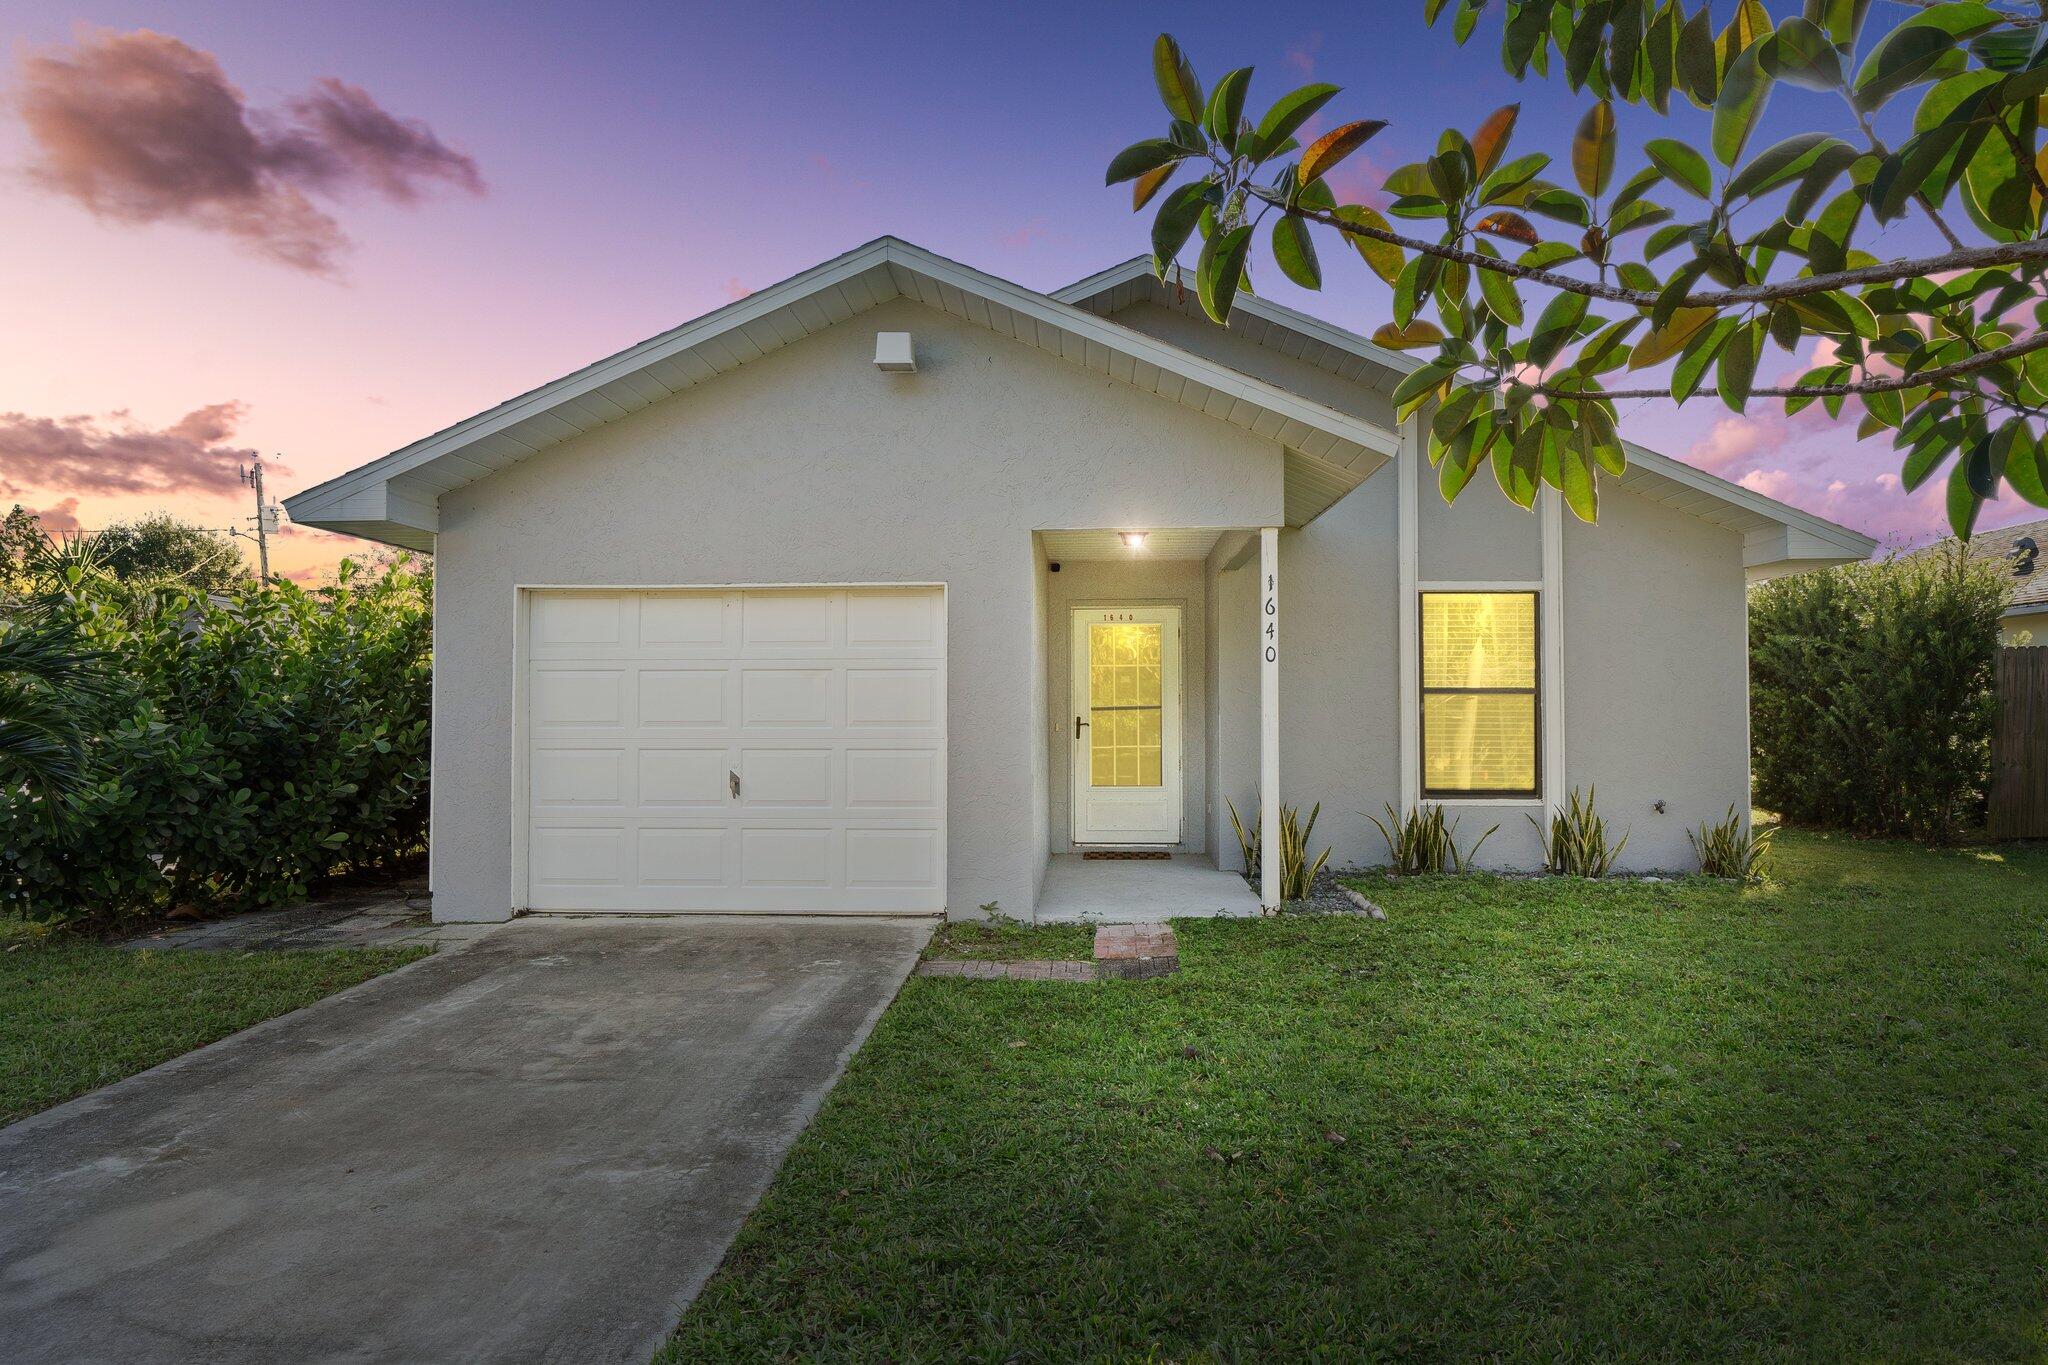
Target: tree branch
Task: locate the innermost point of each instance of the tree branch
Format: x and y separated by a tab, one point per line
2012	350
2032	251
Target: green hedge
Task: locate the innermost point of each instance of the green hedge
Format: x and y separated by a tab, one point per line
247	746
1872	693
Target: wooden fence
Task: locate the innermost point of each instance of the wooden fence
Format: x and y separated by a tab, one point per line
2019	746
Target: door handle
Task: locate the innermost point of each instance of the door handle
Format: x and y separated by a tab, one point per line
734	779
1078	724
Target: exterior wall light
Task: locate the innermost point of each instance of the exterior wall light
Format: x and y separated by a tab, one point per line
1134	540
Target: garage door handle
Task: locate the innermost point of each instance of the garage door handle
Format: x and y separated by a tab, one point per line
734	778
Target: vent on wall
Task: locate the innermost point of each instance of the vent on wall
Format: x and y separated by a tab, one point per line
893	353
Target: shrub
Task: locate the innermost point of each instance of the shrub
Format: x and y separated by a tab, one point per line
241	748
1872	693
1576	844
1734	848
1297	873
1423	843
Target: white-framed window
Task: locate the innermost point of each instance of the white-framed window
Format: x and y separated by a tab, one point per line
1481	708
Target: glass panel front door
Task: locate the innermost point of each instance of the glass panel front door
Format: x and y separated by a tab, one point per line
1126	726
1125	711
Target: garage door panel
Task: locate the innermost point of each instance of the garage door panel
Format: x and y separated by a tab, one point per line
902	858
898	622
684	857
897	779
786	856
684	698
672	778
894	698
789	622
785	698
570	698
579	777
687	623
579	856
786	778
827	704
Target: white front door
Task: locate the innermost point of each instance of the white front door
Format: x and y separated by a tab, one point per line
1126	725
736	749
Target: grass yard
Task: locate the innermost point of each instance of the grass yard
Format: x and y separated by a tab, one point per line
1517	1119
75	1015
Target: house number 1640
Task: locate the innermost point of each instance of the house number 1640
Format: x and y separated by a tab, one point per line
1272	623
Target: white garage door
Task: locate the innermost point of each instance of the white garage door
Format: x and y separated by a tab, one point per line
779	749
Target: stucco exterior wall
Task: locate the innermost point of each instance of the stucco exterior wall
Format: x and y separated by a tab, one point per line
2024	627
810	466
1132	583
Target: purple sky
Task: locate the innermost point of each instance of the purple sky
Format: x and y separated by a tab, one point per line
370	220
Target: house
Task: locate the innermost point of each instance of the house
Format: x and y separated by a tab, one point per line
896	586
2025	619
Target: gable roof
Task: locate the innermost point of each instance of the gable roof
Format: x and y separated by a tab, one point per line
1777	538
394	499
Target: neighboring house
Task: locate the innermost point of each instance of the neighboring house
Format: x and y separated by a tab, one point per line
752	617
2020	548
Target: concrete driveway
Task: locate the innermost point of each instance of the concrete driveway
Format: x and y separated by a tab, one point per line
536	1148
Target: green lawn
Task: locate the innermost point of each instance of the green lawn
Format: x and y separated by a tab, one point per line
75	1015
1516	1119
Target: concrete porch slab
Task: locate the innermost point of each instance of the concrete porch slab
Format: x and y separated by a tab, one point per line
1115	891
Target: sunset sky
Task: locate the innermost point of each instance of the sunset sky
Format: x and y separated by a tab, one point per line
317	232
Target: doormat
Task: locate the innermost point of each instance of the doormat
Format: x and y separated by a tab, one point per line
1147	855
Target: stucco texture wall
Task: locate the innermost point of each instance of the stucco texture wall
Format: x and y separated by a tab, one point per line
810	466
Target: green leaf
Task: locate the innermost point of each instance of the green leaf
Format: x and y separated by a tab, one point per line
1593	149
1520	472
1699	354
1555	327
1498	290
1575	479
1744	92
1175	76
1140	157
1698	69
1737	369
1295	252
1915	49
1780	163
1504	184
2026	464
1225	110
1384	258
1799	53
1963	500
1288	113
1664	342
1421	383
1492	138
1842	19
1175	222
1220	270
1332	147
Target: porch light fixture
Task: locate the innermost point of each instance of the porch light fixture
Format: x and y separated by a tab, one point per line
1133	540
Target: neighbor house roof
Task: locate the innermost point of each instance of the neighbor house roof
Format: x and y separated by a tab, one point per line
1777	538
394	499
2026	561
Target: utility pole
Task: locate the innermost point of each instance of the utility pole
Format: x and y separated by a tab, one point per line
266	519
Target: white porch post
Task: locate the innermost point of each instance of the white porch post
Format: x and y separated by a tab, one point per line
1269	717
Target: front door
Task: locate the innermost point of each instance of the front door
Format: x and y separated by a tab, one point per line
1126	725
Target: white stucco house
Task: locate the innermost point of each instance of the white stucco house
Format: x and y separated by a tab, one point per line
900	587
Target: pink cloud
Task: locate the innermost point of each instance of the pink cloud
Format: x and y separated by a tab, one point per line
139	127
1302	55
85	455
734	290
60	518
1025	234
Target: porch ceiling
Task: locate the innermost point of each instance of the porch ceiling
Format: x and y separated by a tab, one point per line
1177	542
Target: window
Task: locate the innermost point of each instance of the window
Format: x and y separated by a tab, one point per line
1479	711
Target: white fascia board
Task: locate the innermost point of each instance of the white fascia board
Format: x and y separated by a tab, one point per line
318	500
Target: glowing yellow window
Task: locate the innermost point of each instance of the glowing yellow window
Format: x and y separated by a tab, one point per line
1125	705
1479	712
